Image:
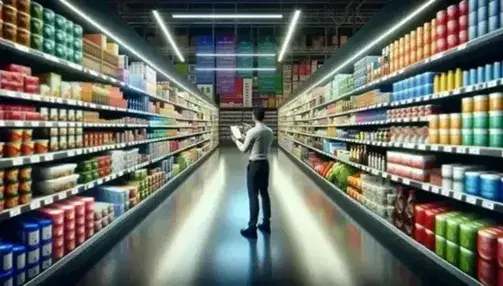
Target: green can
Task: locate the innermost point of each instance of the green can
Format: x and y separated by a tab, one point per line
37	26
440	222
69	41
49	46
77	57
496	119
48	32
36	10
85	177
60	22
467	136
480	120
480	137
468	234
60	37
69	27
467	260
77	44
77	31
452	252
69	54
440	246
96	175
48	17
495	137
452	228
467	120
60	51
37	42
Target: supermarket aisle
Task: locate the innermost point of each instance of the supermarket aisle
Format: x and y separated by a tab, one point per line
193	237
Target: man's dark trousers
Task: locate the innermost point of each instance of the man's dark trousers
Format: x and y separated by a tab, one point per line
258	183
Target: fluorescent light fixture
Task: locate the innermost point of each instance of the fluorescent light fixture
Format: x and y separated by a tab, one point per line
127	47
227	16
243	55
235	69
369	46
166	32
289	34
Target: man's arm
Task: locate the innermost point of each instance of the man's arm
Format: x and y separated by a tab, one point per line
245	147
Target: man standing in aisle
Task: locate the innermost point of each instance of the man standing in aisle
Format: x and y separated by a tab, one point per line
258	141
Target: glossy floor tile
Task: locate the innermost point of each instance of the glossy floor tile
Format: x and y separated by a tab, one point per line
193	237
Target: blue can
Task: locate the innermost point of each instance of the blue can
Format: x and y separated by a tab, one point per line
490	186
482	3
497	70
6	278
466	78
46	248
19	257
494	23
473	76
30	233
429	89
20	278
482	28
473	5
482	14
6	256
32	270
472	183
45	263
494	8
488	72
32	255
472	32
480	75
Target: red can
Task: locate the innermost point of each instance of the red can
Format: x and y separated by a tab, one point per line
452	27
486	272
499	253
452	41
463	22
419	233
58	253
81	238
441	17
463	8
79	205
55	215
429	239
453	12
80	220
441	31
430	216
89	231
58	230
58	241
69	246
487	242
69	210
69	235
441	45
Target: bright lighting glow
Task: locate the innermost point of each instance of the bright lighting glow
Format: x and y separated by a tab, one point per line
127	47
289	34
227	16
264	55
235	69
166	32
369	46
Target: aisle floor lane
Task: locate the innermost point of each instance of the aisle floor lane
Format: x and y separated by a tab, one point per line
193	237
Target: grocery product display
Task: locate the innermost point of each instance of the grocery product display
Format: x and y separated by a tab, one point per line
85	136
235	116
413	136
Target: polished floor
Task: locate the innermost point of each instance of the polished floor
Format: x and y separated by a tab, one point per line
193	237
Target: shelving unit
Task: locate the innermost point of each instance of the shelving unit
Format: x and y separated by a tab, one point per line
236	116
319	126
144	149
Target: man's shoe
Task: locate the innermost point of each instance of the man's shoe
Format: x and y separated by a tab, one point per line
266	228
250	233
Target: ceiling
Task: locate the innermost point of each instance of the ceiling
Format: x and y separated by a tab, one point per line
319	18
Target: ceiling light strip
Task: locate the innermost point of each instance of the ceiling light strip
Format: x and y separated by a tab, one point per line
235	69
123	44
227	16
166	32
289	34
369	46
243	55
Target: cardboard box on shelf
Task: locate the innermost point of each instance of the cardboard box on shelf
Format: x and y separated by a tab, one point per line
206	89
98	39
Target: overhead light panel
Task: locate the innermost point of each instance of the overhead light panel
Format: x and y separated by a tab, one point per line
227	16
289	34
235	69
370	45
242	55
126	46
166	32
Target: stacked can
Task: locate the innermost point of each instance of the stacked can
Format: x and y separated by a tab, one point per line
482	17
494	11
56	216
441	31
496	119
448	81
472	19
80	219
463	21
452	26
427	40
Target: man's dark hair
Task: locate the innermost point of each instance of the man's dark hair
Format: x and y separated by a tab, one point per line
259	113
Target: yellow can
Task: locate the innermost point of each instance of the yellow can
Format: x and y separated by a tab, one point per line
450	80
458	79
443	82
436	84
